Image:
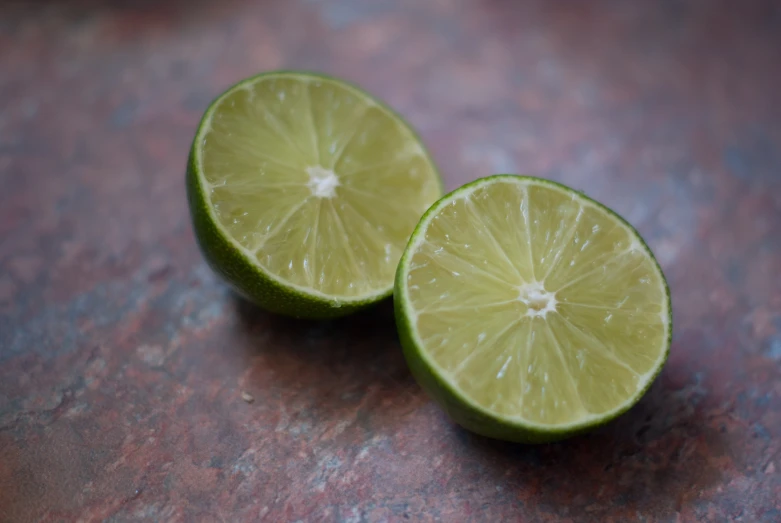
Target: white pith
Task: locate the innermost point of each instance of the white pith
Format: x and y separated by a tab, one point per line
322	182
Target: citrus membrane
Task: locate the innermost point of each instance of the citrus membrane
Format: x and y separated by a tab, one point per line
529	311
304	191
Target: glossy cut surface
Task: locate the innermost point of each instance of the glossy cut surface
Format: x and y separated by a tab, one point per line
316	181
535	302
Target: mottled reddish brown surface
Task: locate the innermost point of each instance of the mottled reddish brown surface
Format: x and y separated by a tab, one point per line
123	361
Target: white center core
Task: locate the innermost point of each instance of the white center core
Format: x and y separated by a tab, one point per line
539	301
322	182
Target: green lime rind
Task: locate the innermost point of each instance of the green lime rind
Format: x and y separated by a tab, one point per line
244	274
457	405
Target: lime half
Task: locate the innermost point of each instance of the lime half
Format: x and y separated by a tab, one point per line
304	190
529	311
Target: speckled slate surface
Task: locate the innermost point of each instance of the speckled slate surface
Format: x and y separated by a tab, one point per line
123	360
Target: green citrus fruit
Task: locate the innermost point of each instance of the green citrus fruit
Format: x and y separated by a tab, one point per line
530	312
303	192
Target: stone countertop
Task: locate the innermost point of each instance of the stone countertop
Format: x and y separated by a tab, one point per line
135	387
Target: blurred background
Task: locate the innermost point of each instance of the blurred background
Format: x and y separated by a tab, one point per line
123	360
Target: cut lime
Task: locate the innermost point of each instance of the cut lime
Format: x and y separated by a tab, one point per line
304	190
529	311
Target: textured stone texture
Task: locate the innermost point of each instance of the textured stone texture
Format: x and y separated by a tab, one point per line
126	367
